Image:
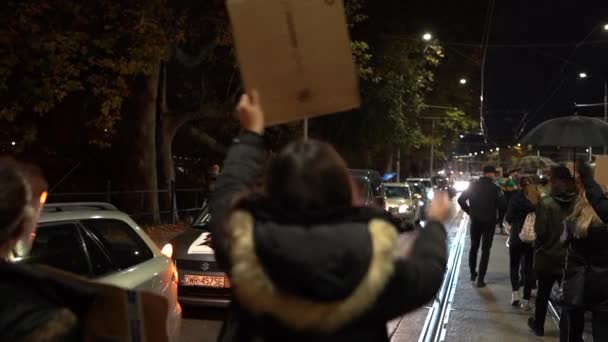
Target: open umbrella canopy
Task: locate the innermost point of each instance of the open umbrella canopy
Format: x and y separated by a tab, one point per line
570	131
530	164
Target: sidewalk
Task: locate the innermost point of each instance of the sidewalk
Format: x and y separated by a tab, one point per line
486	314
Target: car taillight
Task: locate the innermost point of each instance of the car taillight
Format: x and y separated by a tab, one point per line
167	250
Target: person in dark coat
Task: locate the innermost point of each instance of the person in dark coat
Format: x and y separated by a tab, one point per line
304	263
586	274
549	249
522	203
482	202
33	306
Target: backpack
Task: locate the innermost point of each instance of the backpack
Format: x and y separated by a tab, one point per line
527	233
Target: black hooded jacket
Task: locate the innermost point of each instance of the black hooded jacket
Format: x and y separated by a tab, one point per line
330	276
519	208
483	200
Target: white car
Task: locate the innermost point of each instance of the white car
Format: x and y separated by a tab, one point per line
96	240
426	183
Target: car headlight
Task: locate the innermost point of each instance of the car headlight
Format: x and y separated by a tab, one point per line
403	209
461	186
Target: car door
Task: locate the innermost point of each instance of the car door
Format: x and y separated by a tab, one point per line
135	264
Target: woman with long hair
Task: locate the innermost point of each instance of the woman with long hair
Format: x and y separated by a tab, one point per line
306	263
521	205
586	273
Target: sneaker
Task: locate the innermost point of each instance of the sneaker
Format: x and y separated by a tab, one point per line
481	284
537	331
473	276
515	298
525	305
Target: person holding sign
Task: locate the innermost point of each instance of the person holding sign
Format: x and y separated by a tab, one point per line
305	262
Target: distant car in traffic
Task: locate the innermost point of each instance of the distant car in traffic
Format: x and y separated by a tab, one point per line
201	281
402	203
419	193
371	187
98	241
426	183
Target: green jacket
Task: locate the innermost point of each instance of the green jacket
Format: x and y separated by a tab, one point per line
550	251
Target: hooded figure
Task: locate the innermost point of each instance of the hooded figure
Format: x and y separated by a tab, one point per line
304	263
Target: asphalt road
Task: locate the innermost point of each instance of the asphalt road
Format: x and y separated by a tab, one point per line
201	324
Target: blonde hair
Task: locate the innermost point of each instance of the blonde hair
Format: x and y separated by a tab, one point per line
530	189
583	215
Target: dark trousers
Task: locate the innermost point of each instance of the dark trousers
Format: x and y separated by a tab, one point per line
482	233
576	326
521	254
545	285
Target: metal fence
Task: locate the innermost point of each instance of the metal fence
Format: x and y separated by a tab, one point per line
174	203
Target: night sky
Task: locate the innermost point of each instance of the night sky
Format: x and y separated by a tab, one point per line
541	78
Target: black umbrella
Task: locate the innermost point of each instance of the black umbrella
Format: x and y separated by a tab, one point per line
571	131
530	164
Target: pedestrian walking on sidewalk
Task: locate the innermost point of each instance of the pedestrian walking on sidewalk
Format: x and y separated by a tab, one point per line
508	185
482	201
549	249
305	263
586	273
521	253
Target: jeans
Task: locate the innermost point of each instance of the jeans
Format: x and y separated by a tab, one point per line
482	233
522	254
545	285
576	326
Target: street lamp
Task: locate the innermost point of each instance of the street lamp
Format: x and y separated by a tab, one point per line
498	149
427	37
606	27
463	81
583	75
13	143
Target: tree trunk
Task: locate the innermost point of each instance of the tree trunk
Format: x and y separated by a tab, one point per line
166	166
141	172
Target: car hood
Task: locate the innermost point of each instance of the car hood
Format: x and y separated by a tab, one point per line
193	244
397	201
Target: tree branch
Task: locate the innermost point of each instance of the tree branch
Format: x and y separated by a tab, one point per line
206	140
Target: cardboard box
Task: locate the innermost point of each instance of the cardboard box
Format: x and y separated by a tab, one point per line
601	170
120	315
297	54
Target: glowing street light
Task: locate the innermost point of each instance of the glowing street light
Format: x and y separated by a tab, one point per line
606	27
13	143
427	37
583	75
462	136
498	149
463	81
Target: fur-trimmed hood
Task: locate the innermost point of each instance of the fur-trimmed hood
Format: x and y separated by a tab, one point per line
310	276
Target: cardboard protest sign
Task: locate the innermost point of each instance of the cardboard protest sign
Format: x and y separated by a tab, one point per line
601	170
297	55
120	315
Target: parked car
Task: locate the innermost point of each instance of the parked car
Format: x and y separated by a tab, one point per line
419	192
98	241
371	187
426	183
402	203
201	282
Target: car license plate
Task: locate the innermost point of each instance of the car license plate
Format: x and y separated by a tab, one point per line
206	281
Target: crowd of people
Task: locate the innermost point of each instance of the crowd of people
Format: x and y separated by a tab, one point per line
306	261
558	235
